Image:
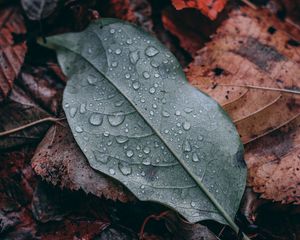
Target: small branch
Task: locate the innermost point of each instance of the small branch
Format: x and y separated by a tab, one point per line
250	4
47	119
263	88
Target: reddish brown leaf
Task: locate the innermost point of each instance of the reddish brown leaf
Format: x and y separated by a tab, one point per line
11	54
135	11
60	161
252	48
210	8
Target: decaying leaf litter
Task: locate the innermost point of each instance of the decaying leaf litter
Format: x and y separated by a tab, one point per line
179	53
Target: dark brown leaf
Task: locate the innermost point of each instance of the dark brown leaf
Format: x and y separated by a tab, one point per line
135	11
43	87
11	54
60	161
18	111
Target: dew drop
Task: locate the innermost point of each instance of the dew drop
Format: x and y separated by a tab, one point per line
106	134
165	114
186	125
152	90
154	105
129	153
177	113
142	186
146	75
125	168
73	111
112	31
112	171
121	139
114	64
151	51
82	108
101	157
136	85
78	129
118	51
146	150
116	119
188	110
129	41
146	162
156	75
91	79
96	119
193	204
186	146
127	75
195	157
134	57
154	64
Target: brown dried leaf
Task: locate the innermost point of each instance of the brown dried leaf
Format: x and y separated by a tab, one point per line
11	54
247	51
252	48
210	8
274	169
60	161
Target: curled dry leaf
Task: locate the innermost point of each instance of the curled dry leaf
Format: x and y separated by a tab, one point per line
11	53
252	48
210	8
60	161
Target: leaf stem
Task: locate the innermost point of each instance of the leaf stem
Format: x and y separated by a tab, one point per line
17	129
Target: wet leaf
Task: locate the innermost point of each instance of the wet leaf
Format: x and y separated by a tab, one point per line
137	119
261	55
207	7
11	53
59	160
39	9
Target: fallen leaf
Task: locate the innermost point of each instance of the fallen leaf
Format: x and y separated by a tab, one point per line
60	161
131	140
210	8
42	86
181	229
252	48
11	54
135	11
39	9
19	110
274	170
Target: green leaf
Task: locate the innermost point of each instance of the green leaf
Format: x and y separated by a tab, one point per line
136	118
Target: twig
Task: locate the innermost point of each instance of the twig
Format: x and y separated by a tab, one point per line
250	4
47	119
